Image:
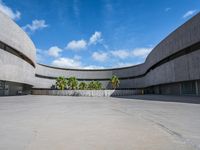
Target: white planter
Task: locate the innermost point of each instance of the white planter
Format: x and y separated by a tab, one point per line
89	93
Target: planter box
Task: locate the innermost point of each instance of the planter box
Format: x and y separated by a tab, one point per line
89	93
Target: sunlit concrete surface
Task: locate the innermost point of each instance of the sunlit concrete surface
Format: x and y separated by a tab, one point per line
82	123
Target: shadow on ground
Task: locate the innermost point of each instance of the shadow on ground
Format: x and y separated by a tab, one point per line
164	98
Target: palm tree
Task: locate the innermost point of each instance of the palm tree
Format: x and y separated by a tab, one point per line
72	83
82	86
61	83
115	81
98	85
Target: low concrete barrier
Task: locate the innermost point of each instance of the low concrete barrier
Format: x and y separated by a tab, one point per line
89	93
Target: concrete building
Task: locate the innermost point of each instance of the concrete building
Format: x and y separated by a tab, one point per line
173	66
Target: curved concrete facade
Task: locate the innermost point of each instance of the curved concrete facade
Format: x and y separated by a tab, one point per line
17	58
12	35
173	66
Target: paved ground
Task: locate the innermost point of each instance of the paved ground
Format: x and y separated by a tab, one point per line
74	123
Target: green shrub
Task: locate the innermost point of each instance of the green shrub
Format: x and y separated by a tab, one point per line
98	85
95	85
82	86
61	83
72	83
91	85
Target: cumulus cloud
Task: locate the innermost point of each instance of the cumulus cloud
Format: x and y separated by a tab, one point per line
54	51
122	54
95	38
141	52
83	44
137	52
15	15
100	56
74	62
36	25
67	62
42	55
76	45
189	13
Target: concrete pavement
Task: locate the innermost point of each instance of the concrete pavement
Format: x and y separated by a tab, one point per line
84	123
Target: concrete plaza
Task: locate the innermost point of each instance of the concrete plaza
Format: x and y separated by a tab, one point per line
85	123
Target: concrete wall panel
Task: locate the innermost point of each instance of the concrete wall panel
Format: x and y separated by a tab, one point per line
12	35
194	65
13	68
181	69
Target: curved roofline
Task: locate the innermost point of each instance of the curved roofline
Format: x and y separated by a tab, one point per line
78	69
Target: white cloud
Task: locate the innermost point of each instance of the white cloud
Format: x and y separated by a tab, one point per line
137	52
189	13
120	53
76	45
9	12
83	44
54	51
36	25
95	38
141	52
42	55
67	62
93	67
74	62
100	56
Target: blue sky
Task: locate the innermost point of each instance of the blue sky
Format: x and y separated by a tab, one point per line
97	33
